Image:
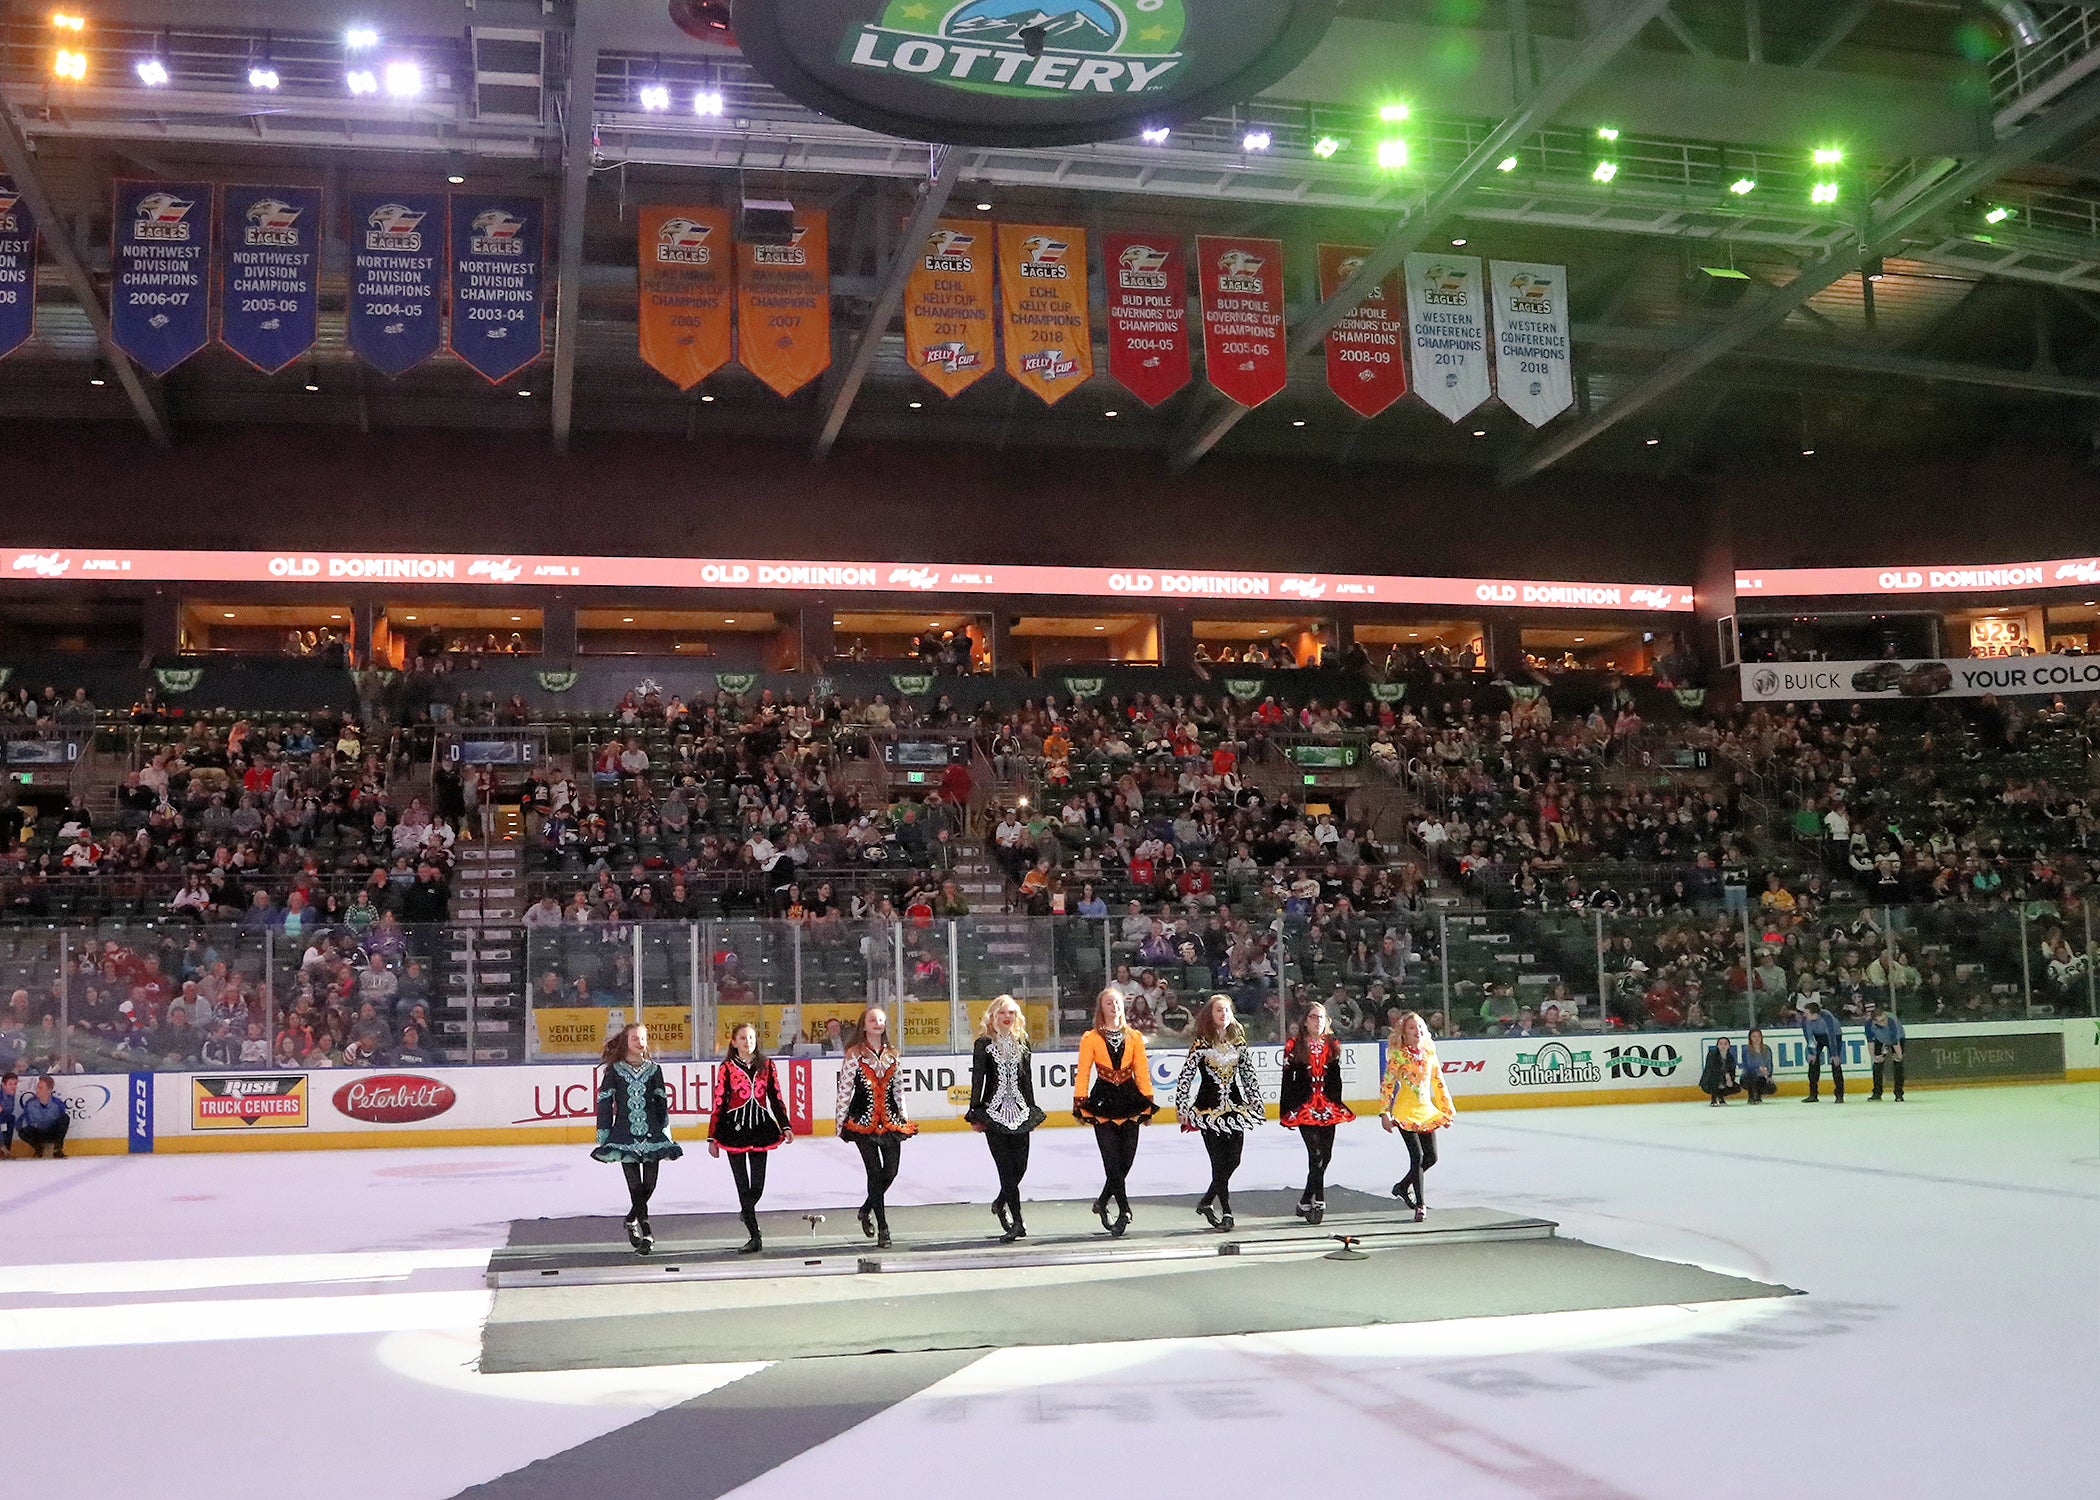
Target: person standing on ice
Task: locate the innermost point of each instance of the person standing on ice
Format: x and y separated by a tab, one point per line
1415	1102
634	1124
1825	1036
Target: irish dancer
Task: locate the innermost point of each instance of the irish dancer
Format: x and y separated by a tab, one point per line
1002	1105
1415	1103
634	1124
871	1115
1219	1096
750	1119
1311	1100
1112	1091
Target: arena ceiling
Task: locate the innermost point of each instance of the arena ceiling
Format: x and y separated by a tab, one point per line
1948	301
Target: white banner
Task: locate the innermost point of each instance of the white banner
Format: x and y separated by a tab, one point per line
1952	677
1534	370
1447	332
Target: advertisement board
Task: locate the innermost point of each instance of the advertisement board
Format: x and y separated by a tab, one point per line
1914	678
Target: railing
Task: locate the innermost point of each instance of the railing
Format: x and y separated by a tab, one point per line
390	995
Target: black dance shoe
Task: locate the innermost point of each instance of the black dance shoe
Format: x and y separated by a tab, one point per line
1209	1214
1122	1223
634	1236
1006	1222
1015	1231
882	1240
1101	1213
647	1241
867	1221
1316	1213
751	1246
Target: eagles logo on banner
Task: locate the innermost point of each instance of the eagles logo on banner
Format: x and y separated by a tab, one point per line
396	312
1366	365
1447	329
1148	314
498	248
269	273
160	271
783	306
1534	374
1241	282
17	270
1043	308
687	296
948	307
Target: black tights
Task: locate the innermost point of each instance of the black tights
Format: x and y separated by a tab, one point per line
1224	1148
1010	1156
880	1157
1421	1156
749	1170
1319	1151
641	1182
1118	1145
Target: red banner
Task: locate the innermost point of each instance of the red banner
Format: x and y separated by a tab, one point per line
1366	365
783	305
1241	283
1148	314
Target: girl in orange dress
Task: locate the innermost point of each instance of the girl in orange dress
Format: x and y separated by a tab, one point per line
1415	1103
871	1115
1112	1091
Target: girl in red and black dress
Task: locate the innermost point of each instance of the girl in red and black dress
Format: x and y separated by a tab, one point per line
750	1119
871	1115
1311	1099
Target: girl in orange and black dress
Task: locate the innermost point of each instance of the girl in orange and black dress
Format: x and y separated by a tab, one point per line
1415	1103
750	1119
871	1115
1112	1091
1311	1100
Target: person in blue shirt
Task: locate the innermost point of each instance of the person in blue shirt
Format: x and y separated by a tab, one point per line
9	1086
44	1118
1754	1067
1826	1037
1885	1045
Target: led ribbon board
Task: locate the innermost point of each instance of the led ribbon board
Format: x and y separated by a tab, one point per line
1024	72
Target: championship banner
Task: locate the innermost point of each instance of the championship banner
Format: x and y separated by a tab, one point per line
397	279
783	306
1148	314
1366	366
499	247
269	273
1043	308
1534	373
1933	677
1447	330
1241	285
160	271
948	307
686	263
17	270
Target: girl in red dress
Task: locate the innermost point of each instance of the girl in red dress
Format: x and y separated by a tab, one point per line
1311	1100
750	1119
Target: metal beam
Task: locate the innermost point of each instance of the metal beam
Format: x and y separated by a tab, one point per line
577	127
14	154
1849	359
2071	115
1846	23
1684	35
1601	46
889	292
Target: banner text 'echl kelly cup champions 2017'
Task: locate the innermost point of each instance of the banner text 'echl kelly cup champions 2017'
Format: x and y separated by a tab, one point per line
949	334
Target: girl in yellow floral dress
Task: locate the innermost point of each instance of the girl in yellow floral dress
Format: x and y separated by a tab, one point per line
1415	1103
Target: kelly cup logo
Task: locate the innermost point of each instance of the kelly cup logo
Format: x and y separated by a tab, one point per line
1025	47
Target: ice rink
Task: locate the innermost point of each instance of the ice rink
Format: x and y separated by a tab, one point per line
306	1323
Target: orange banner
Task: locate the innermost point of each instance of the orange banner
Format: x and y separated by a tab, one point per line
1043	308
685	265
948	307
783	306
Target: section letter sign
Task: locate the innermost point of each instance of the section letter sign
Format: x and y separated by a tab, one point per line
1534	374
1241	282
1043	308
1148	313
1447	331
269	273
160	271
499	246
686	259
17	269
783	306
948	306
397	279
1366	351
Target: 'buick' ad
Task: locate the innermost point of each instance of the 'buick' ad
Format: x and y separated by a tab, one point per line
1954	677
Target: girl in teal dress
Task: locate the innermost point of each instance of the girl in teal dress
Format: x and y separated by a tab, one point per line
634	1123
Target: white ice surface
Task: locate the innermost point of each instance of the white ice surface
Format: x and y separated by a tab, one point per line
306	1323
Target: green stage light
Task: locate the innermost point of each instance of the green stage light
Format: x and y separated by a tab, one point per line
1828	156
1393	114
1326	146
1507	164
1743	187
1824	193
1392	155
1607	132
1998	215
1605	171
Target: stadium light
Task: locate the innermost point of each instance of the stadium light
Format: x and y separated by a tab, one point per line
404	80
1155	135
1604	171
262	76
153	73
1325	147
1392	155
1507	164
708	102
1256	140
1743	187
1823	193
1393	114
66	21
1607	132
361	81
655	96
358	38
1999	214
1828	156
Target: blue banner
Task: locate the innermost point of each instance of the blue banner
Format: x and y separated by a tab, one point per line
139	1109
499	246
269	273
397	278
17	270
160	271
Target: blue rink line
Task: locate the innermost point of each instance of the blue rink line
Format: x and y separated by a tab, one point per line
1475	1122
58	1184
